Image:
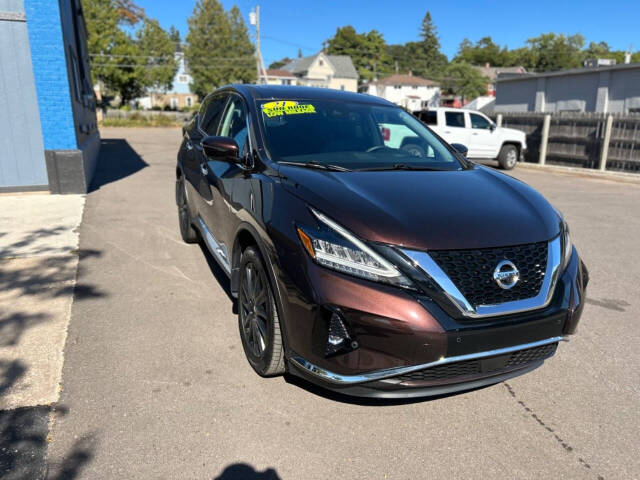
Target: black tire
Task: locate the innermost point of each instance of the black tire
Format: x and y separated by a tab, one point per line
508	157
258	320
187	232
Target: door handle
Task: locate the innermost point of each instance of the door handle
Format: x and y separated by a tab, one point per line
204	169
189	145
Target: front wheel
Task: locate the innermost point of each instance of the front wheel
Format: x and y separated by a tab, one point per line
258	317
508	157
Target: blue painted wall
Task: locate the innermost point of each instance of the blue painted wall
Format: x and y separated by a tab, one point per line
49	62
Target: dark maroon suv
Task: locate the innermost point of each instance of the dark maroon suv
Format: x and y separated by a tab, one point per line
366	254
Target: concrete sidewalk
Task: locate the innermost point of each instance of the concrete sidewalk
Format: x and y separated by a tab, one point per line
38	263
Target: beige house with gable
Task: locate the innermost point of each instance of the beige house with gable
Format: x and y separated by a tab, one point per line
324	71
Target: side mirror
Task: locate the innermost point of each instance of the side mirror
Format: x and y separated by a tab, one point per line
224	149
492	127
460	148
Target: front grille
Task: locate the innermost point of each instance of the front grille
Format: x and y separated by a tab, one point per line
484	365
472	271
522	357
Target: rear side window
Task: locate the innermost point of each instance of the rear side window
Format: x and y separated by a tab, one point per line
454	119
211	113
430	118
478	121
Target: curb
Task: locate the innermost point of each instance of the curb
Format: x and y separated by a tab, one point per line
632	178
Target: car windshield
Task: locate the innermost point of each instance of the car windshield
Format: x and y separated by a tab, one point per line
350	135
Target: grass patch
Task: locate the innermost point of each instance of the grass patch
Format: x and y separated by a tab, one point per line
139	120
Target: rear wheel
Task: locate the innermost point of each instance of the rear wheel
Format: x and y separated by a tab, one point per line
258	317
187	232
508	157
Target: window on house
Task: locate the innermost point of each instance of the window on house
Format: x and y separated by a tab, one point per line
341	87
173	102
415	87
320	62
183	79
189	101
397	87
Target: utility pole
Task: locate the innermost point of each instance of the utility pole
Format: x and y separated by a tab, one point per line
254	19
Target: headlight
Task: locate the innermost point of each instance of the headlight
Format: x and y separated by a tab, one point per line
334	247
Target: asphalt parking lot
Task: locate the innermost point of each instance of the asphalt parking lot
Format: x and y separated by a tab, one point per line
155	383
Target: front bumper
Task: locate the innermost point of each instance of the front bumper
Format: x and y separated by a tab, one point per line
407	345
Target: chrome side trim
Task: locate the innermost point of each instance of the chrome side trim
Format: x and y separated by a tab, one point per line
217	250
393	372
423	261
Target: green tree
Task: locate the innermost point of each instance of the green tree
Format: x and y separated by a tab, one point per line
483	51
243	70
462	79
161	66
422	58
368	51
280	63
115	57
174	34
550	51
218	47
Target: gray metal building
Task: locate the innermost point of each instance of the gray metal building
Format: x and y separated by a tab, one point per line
49	136
610	89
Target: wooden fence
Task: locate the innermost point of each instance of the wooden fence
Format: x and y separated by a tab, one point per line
588	140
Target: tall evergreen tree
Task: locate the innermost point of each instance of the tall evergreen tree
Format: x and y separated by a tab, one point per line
174	34
218	47
422	58
244	69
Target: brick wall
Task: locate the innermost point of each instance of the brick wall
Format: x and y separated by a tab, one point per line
51	75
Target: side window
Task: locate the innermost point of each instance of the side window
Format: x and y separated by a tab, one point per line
478	121
454	119
211	113
234	123
430	118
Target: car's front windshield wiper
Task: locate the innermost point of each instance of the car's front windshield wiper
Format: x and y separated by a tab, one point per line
318	165
400	166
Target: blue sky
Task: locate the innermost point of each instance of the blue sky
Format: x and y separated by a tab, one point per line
288	24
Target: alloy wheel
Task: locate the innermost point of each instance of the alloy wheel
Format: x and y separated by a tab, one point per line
254	316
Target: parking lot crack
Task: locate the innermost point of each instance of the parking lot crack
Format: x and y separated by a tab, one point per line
555	435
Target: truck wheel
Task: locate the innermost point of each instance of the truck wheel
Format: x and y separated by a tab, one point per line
508	157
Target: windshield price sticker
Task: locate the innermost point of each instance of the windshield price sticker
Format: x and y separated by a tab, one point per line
286	107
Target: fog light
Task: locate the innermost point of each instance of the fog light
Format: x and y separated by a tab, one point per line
338	339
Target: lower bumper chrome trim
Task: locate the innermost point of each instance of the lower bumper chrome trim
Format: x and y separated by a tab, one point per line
338	379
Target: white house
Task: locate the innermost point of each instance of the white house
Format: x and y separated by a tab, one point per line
179	96
280	77
325	71
413	93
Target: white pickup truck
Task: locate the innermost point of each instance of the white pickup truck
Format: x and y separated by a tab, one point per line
483	139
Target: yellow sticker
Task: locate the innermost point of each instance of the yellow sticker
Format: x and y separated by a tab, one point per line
286	107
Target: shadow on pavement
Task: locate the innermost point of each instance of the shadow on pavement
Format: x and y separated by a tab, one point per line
116	161
71	465
242	471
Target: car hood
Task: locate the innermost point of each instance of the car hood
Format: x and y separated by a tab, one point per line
427	210
512	132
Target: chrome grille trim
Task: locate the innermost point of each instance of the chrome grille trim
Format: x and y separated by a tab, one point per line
423	261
